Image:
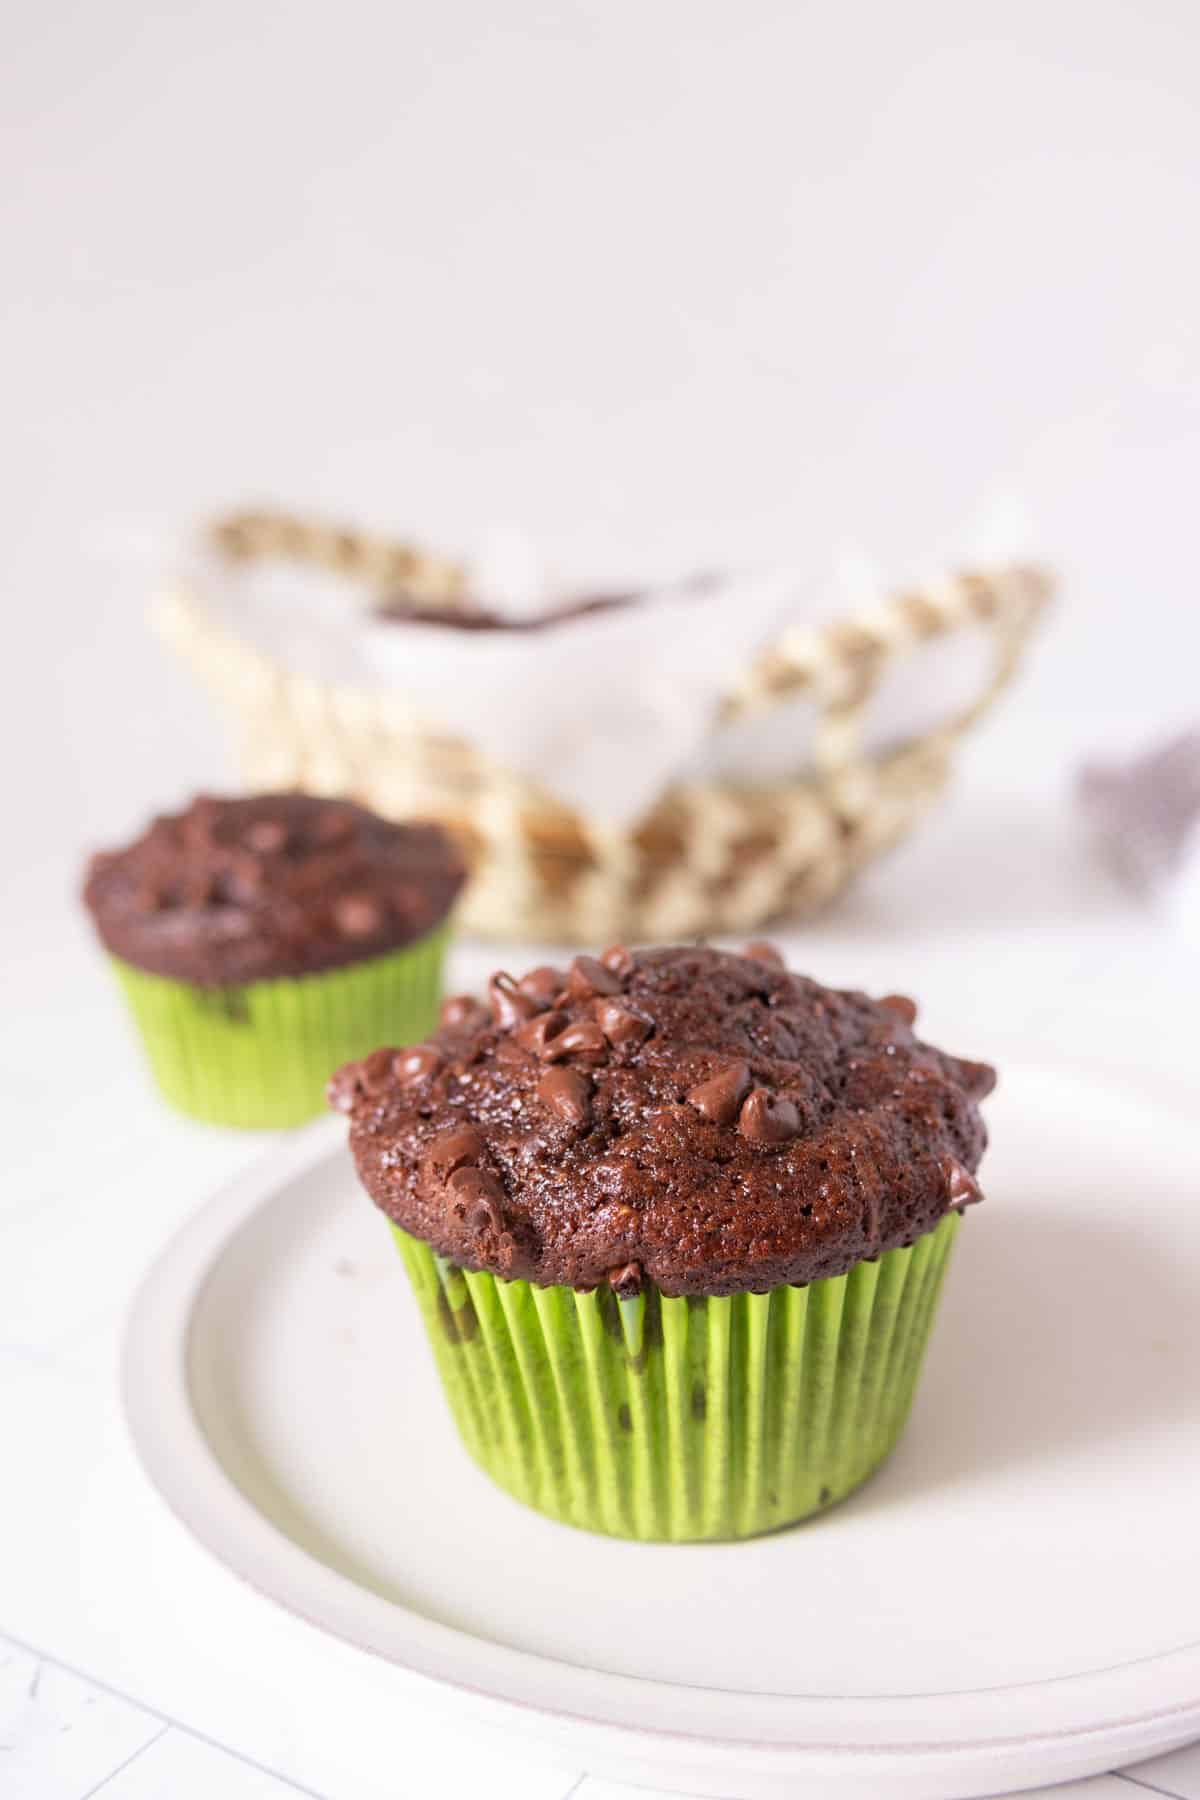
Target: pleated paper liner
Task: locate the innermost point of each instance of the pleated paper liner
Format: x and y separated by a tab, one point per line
259	1055
682	1419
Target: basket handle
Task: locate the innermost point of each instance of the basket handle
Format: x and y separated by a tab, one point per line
383	563
842	665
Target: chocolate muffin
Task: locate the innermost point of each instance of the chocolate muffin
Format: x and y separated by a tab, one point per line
677	1220
260	940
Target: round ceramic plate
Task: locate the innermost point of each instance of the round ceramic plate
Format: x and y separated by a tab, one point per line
1014	1599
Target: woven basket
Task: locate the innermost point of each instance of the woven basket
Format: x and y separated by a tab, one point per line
711	856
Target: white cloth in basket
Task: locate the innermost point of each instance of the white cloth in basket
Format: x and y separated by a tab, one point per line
607	710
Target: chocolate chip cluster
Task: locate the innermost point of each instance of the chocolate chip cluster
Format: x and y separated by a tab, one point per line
531	1010
233	890
213	855
703	1120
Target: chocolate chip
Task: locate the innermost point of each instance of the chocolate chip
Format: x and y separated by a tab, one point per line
480	1197
588	977
245	878
484	1215
463	1010
459	1149
409	901
620	1024
417	1064
199	822
720	1096
583	1038
344	1087
468	1181
961	1186
544	984
377	1071
509	1054
509	1005
357	915
978	1078
567	1093
266	836
619	960
762	952
766	1118
903	1008
626	1281
200	888
539	1035
331	826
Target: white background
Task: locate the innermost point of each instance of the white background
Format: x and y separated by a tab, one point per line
666	285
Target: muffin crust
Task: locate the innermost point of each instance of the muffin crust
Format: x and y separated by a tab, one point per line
703	1120
237	890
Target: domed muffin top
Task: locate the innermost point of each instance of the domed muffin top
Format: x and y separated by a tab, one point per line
703	1120
236	890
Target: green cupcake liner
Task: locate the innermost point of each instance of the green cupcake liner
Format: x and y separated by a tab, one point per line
259	1055
682	1419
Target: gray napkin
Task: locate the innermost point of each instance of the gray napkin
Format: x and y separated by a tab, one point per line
1145	815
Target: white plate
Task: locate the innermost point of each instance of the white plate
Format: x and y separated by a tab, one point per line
1014	1599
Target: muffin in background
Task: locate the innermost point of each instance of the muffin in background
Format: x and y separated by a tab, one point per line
677	1222
261	940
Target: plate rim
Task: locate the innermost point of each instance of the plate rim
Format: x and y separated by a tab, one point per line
1134	1708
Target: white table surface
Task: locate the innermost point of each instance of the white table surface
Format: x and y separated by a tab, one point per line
130	1663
